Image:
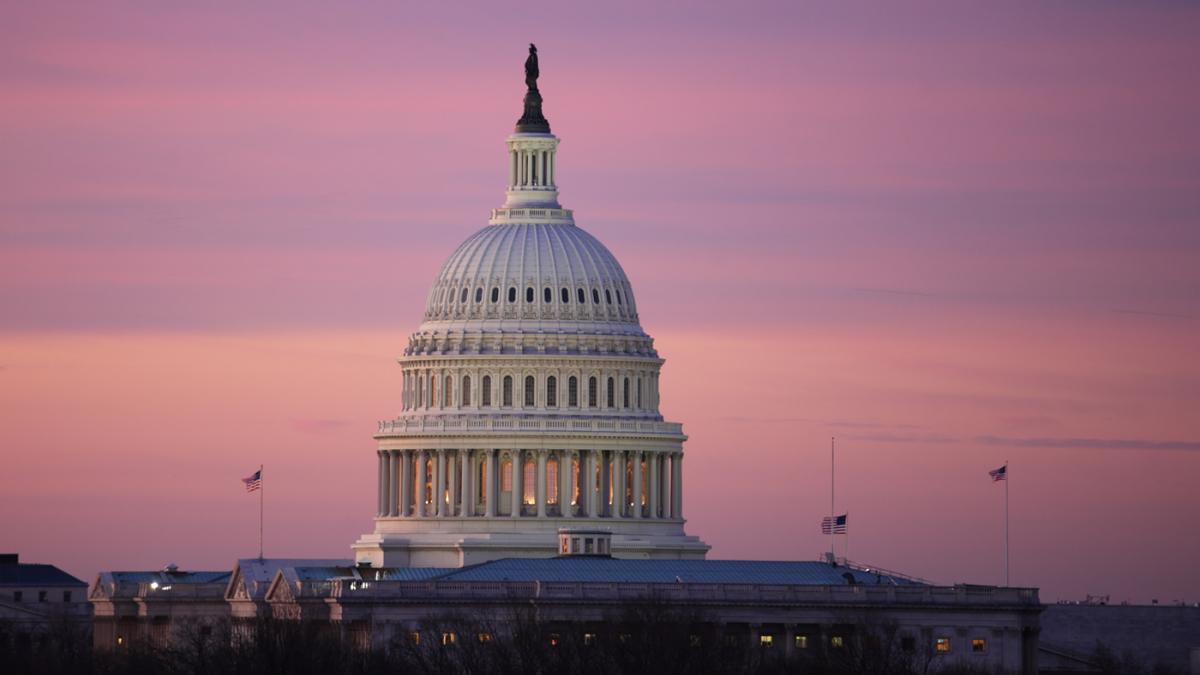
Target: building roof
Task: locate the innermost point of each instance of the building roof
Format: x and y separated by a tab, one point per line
22	574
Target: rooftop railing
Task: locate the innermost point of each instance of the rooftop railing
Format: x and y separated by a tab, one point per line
409	425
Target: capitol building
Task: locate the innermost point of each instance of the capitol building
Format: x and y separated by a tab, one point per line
530	468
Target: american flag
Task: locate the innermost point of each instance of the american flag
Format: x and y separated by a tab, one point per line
999	474
253	481
834	525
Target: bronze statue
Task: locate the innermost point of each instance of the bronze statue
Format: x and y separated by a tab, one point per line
531	68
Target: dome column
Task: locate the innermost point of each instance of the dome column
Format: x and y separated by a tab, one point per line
564	484
541	483
518	483
636	510
618	481
467	508
406	482
452	460
419	507
492	484
439	480
589	483
677	485
655	483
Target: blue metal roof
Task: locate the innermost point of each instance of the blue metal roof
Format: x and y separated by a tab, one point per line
24	574
619	570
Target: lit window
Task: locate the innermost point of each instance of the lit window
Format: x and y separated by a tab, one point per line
485	638
766	641
506	394
120	640
529	382
551	392
589	639
479	294
485	394
414	637
529	294
512	294
466	390
565	546
580	295
547	296
495	294
591	392
801	642
506	477
573	391
566	296
595	296
611	393
554	639
942	645
837	642
449	639
979	645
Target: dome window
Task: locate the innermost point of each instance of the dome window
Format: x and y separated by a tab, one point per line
625	395
608	296
466	390
595	296
573	392
552	392
506	393
592	392
547	296
463	299
618	292
529	391
512	294
611	393
529	294
479	295
495	295
582	297
566	296
448	393
485	392
639	393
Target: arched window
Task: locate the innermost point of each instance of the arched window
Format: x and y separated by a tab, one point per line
495	294
595	296
573	392
639	393
611	393
479	294
551	392
566	296
579	294
506	393
529	294
625	396
433	390
421	392
592	398
618	292
512	294
547	295
506	476
485	392
529	398
448	392
466	390
608	296
463	298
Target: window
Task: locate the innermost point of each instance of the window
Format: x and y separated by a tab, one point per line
554	638
942	645
908	644
466	390
421	391
837	642
120	640
551	392
694	640
595	296
66	596
547	296
766	641
506	482
573	391
463	299
608	296
801	642
479	295
506	394
433	390
639	393
485	393
485	638
592	392
618	292
587	545
414	637
625	396
589	639
529	400
580	296
41	596
495	294
529	294
611	393
448	392
453	294
17	595
512	294
566	296
979	645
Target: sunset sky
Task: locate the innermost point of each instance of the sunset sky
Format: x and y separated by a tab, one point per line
950	235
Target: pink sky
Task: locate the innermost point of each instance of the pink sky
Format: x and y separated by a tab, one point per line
949	236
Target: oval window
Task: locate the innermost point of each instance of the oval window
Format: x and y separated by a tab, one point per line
495	294
548	296
608	296
566	296
478	295
581	296
512	294
595	297
529	294
618	292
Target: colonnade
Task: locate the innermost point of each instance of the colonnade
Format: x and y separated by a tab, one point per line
531	167
517	483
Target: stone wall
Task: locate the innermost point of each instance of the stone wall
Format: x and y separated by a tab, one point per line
1151	634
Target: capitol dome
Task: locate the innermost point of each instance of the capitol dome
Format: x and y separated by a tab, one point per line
530	397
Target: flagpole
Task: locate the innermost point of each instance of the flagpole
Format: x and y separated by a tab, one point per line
1006	480
261	489
832	516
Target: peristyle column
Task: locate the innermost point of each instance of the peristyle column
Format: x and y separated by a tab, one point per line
541	483
636	510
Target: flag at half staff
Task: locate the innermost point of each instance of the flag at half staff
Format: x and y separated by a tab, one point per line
999	474
834	525
253	481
